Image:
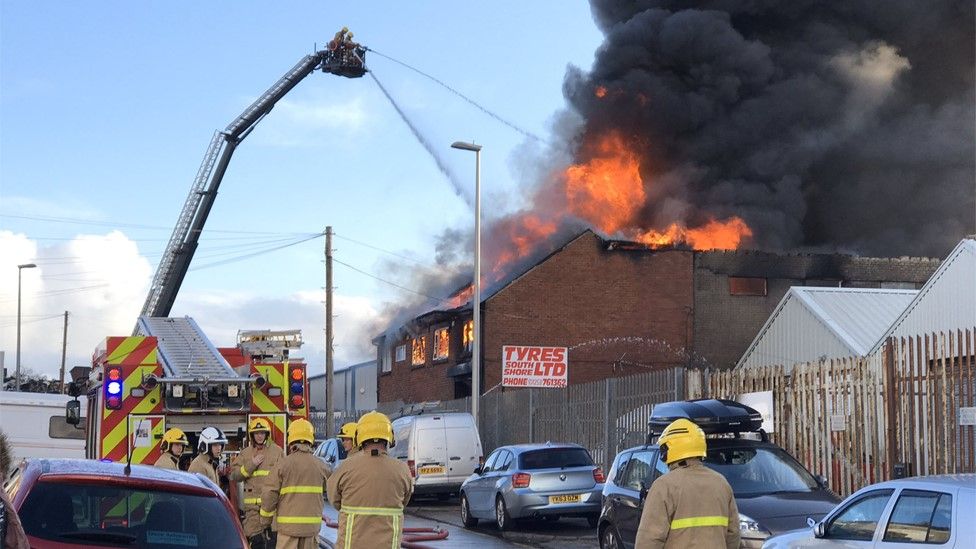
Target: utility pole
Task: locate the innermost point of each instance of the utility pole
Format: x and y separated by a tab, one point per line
64	349
329	400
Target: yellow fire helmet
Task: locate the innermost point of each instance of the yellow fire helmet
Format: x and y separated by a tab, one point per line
348	431
301	430
174	436
374	426
257	425
682	439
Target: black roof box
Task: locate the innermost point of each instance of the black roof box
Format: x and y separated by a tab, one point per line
712	415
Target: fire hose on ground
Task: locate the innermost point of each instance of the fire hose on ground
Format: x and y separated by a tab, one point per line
411	536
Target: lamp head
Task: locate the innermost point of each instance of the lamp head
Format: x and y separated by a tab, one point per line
465	146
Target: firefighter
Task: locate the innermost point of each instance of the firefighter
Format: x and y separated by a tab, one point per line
174	442
370	489
348	437
251	467
293	491
209	446
691	505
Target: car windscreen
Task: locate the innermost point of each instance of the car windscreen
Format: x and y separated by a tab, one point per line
552	458
118	516
755	471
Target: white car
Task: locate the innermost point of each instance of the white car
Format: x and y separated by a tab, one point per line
935	510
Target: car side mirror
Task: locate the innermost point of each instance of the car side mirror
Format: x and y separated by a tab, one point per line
821	480
478	470
820	530
72	412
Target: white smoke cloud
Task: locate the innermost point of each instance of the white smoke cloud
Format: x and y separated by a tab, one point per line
102	280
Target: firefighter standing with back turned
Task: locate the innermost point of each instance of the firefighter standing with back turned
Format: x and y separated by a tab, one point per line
370	489
293	491
251	467
348	437
691	505
174	442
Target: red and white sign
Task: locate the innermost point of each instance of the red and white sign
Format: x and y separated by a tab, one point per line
524	366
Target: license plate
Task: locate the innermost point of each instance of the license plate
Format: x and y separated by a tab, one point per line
569	498
432	470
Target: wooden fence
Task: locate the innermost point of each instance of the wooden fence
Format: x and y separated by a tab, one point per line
856	419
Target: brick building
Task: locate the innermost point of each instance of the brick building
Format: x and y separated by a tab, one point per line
621	308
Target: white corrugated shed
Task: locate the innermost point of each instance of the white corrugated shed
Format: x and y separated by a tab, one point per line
947	302
813	323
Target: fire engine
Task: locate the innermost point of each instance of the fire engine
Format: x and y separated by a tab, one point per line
168	373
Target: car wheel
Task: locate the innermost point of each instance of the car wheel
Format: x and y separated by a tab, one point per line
466	519
502	519
593	520
610	539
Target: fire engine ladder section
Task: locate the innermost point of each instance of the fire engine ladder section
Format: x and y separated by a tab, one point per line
183	242
185	352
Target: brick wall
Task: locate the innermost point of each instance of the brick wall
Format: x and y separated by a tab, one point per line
619	313
428	381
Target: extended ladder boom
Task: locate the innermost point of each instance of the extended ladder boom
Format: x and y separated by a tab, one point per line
183	242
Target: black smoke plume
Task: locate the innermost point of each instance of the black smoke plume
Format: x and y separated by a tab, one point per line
843	125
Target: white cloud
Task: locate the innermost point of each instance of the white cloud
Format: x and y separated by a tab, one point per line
102	280
314	122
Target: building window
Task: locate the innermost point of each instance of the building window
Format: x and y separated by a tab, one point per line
467	338
419	351
387	362
401	352
740	285
441	344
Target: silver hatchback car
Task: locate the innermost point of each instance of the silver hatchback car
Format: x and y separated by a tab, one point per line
895	514
533	481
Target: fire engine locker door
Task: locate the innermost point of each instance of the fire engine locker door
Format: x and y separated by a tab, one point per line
278	427
145	438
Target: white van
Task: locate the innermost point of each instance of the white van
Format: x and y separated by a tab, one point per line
35	426
441	449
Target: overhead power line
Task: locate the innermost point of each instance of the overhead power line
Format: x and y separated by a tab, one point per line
385	281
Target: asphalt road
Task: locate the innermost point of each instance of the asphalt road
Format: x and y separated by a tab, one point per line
566	533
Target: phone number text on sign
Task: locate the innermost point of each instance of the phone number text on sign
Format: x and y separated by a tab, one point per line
524	366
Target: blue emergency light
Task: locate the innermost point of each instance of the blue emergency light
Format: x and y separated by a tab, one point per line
113	387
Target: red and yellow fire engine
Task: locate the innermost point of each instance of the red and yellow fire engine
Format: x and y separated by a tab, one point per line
171	375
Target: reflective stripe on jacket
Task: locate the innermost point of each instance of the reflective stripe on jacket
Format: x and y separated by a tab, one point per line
293	494
370	492
690	506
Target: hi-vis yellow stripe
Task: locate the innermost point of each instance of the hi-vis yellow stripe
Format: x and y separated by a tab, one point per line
259	472
117	435
299	520
130	344
301	490
694	522
275	379
252	501
266	513
381	511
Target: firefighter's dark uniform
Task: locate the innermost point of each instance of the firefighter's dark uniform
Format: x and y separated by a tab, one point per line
253	478
293	494
370	490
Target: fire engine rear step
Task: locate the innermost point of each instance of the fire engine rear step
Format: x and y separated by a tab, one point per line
184	350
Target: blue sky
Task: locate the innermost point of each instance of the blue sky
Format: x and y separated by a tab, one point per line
106	109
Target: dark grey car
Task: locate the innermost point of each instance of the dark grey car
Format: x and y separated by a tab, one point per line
533	480
773	492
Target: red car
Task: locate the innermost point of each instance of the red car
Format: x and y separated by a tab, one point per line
71	503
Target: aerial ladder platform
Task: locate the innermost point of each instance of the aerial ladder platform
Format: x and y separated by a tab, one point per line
184	350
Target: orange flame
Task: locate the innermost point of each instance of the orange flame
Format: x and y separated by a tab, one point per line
714	235
600	92
607	190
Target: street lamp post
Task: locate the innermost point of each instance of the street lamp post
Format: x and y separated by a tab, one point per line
20	269
476	299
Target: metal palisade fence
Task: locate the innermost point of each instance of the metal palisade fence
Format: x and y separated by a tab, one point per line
856	420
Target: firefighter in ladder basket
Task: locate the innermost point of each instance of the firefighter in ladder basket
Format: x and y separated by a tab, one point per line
293	495
173	445
252	467
370	489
